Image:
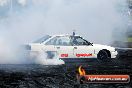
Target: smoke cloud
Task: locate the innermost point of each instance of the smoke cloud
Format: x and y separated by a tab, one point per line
29	20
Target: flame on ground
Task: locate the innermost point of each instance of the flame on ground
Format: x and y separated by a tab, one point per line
81	71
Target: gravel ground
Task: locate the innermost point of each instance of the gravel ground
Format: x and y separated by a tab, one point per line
40	76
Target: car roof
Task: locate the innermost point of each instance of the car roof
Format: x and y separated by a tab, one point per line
62	35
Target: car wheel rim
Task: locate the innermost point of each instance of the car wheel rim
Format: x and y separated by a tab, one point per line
103	55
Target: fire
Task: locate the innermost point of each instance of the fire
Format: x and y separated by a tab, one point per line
81	71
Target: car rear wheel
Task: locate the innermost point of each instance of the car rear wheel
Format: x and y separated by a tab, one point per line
103	55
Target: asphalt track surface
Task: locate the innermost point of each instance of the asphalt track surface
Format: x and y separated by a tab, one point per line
40	76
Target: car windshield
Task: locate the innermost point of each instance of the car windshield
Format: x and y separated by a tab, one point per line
44	38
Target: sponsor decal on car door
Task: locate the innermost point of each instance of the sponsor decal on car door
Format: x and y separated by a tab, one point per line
83	52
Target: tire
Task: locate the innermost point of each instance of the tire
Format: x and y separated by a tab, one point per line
103	55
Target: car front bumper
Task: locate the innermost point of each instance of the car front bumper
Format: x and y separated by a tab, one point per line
114	54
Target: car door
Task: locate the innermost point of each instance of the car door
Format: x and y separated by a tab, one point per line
61	46
82	48
49	48
64	47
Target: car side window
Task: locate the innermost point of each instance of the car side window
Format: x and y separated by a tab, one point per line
63	41
52	41
79	41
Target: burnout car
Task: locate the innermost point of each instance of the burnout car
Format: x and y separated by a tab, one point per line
70	46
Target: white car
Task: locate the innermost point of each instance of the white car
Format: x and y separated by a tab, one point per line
70	46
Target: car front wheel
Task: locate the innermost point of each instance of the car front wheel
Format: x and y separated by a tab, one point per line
102	55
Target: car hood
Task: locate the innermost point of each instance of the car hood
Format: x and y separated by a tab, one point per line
99	46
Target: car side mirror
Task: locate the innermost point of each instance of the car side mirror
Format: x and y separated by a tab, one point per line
90	44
